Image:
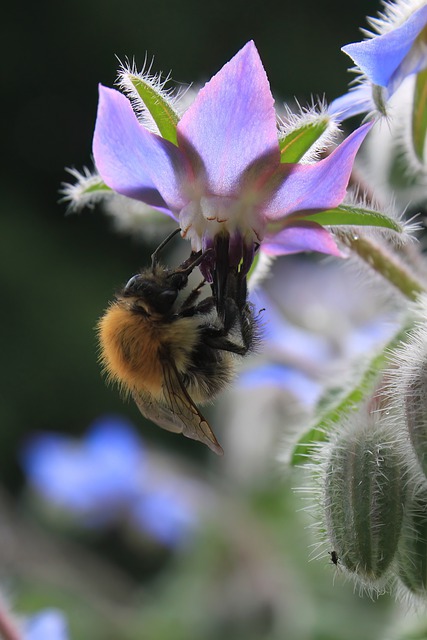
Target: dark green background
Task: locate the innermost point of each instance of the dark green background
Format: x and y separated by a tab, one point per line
58	272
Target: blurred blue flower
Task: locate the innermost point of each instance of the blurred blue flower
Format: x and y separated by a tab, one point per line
165	515
321	325
385	59
109	477
283	378
94	478
49	624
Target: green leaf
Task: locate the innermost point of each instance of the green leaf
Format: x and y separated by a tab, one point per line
351	215
297	142
419	115
338	403
158	106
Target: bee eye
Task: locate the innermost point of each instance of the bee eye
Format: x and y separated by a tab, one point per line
165	300
168	296
130	283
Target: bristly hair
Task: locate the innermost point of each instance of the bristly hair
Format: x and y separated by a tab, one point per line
324	490
172	96
87	190
408	228
317	111
393	15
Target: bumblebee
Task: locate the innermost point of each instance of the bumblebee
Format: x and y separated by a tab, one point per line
171	355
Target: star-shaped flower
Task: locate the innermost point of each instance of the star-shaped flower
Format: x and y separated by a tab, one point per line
221	173
385	58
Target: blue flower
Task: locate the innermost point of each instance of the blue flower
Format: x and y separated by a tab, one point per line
165	515
315	323
92	479
385	59
110	478
221	175
49	624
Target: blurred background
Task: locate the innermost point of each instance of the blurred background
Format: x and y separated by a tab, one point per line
246	574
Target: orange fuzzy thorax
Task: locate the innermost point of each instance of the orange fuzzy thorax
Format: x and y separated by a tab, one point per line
130	344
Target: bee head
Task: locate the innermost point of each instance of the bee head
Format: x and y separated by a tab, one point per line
153	292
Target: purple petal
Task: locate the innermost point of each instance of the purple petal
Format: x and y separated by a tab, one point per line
316	186
232	121
356	101
380	56
132	160
304	236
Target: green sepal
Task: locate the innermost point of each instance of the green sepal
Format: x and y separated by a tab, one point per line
294	144
88	189
253	266
338	403
159	108
351	215
379	96
419	115
96	188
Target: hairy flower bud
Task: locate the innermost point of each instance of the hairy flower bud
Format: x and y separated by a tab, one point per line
411	557
415	408
408	384
364	492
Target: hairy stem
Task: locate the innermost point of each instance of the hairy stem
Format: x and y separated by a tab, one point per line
386	264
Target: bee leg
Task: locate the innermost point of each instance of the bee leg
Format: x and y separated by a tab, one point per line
217	339
191	299
235	320
221	273
224	344
237	288
250	327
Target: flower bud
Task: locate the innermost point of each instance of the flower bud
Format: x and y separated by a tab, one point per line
411	557
364	493
408	385
415	408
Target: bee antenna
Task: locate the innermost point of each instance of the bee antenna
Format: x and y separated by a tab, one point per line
155	255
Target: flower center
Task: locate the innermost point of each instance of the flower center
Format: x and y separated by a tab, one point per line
211	216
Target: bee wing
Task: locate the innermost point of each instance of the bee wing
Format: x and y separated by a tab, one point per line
177	412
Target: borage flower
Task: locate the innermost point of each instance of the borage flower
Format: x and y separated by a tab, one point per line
109	478
384	59
221	171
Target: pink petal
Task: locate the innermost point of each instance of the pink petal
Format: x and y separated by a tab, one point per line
232	121
304	236
316	186
133	161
